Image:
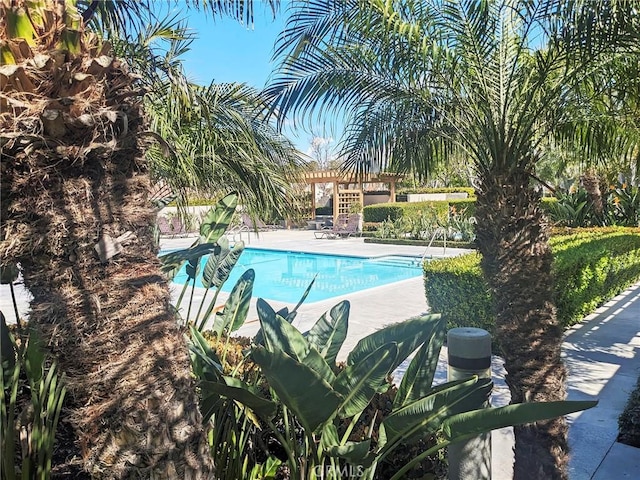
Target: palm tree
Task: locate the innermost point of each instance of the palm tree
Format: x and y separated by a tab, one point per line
219	138
74	182
418	79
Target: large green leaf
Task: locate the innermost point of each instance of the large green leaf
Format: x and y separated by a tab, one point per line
214	261
300	388
217	220
237	305
172	262
192	268
281	335
237	390
469	424
426	415
330	331
417	380
358	383
219	265
357	453
408	335
34	357
315	362
354	452
265	310
205	363
7	347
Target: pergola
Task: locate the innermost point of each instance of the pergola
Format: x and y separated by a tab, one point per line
348	188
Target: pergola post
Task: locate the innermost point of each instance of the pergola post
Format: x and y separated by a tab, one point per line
313	201
392	191
336	186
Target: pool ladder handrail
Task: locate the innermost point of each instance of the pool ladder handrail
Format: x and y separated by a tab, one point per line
433	237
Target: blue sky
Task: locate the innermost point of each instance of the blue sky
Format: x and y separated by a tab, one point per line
226	51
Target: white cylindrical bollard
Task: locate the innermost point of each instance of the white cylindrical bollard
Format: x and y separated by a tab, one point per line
469	353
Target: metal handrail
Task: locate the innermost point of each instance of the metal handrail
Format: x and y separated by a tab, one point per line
433	237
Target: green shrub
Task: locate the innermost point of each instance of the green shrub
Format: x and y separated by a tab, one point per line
437	209
629	420
466	205
382	211
328	210
468	190
590	267
455	287
393	211
370	226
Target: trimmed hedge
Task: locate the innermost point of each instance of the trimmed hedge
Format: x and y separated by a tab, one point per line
590	267
629	420
382	211
392	211
455	287
468	205
419	243
468	190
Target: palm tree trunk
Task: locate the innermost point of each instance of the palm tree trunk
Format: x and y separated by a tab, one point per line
517	261
73	172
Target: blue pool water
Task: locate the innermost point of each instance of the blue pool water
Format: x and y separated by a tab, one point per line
284	276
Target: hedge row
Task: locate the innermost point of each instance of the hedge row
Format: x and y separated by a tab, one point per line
590	267
383	211
417	243
392	211
468	190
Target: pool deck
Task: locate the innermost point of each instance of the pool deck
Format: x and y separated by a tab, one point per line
600	353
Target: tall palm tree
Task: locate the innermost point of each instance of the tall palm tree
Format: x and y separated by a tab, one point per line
489	78
74	182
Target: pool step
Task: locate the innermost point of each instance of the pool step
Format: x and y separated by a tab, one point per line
398	261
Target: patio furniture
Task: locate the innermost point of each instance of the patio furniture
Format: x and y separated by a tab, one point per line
177	227
352	228
344	227
164	226
256	225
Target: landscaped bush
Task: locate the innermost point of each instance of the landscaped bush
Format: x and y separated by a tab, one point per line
382	212
437	209
370	226
468	190
328	210
629	420
619	205
437	243
466	205
590	266
455	287
392	211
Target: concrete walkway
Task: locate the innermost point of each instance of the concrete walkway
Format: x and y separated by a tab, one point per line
600	353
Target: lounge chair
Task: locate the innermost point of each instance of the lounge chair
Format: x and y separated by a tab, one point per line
177	227
256	225
352	228
164	227
336	230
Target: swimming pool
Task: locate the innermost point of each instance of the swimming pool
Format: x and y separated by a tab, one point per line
284	276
